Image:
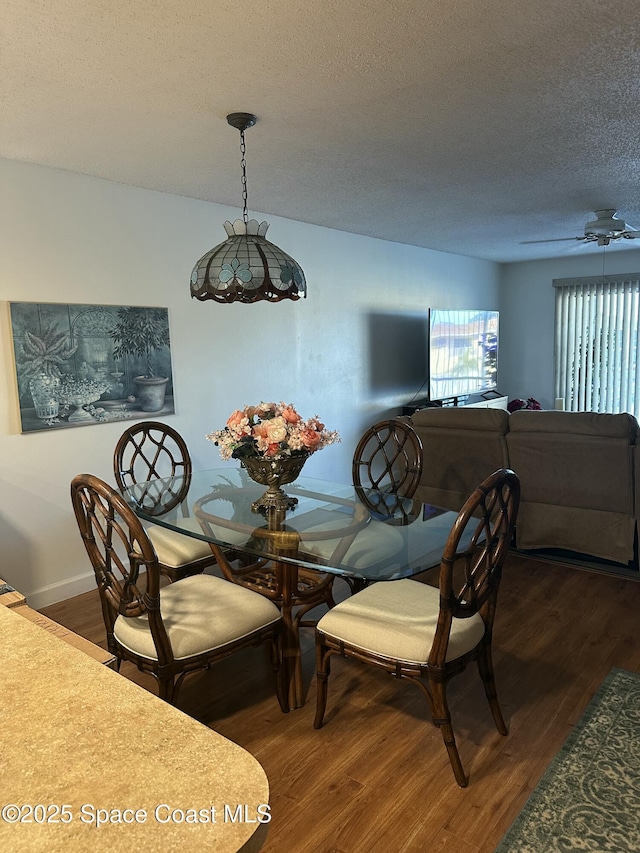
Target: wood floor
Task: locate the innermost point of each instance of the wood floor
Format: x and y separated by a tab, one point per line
376	777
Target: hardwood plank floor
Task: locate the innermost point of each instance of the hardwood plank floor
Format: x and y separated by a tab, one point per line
376	777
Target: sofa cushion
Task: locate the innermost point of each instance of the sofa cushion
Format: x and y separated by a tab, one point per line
621	425
461	448
576	476
462	417
575	459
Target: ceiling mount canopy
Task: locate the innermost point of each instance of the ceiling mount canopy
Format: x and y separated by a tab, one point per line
247	267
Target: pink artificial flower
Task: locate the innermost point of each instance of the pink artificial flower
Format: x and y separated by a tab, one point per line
310	439
261	429
236	419
290	415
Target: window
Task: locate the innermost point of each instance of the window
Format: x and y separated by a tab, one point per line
596	354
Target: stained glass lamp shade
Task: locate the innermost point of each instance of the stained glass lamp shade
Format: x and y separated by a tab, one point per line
247	267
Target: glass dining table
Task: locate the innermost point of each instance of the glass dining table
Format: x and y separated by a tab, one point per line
330	529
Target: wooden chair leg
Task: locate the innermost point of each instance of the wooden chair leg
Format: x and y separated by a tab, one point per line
485	668
278	668
166	689
442	719
322	677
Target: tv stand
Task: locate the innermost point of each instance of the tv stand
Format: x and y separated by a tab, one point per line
416	405
476	401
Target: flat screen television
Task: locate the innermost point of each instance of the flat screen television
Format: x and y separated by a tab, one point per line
463	352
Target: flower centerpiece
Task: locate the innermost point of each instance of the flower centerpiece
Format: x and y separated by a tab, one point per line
272	441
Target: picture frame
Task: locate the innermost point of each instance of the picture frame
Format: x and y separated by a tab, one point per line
82	365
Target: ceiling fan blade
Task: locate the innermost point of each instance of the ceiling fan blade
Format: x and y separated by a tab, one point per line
551	240
631	235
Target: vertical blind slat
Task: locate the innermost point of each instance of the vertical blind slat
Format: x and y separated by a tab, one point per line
599	350
597	356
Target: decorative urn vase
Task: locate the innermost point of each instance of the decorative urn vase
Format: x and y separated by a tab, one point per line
44	392
274	473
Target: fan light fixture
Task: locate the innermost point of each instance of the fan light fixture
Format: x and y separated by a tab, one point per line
601	230
247	267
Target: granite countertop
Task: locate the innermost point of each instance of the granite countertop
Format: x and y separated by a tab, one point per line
82	745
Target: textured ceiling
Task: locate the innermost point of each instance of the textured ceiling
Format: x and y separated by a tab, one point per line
462	126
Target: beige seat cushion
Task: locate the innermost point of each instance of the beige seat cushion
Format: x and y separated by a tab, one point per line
398	619
175	549
200	613
377	543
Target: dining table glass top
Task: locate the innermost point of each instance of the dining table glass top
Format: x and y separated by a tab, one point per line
331	528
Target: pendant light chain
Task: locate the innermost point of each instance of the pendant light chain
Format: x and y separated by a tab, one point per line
243	165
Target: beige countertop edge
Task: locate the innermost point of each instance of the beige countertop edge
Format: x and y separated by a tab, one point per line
79	735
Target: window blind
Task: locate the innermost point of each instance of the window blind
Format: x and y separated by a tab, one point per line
596	343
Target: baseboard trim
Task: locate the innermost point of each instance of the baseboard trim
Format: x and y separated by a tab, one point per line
55	592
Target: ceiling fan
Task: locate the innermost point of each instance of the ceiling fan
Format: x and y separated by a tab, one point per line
604	228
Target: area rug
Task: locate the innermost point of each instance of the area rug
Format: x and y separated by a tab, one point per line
589	797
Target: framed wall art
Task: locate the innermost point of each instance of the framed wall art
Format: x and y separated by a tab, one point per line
78	365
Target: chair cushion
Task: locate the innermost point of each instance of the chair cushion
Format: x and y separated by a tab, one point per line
175	550
200	613
376	543
398	619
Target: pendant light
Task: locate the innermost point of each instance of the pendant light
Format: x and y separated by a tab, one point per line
247	267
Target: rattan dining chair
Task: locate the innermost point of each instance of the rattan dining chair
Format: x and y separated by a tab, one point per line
427	635
175	629
386	470
147	451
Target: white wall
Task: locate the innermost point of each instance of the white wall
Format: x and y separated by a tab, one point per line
527	303
73	239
